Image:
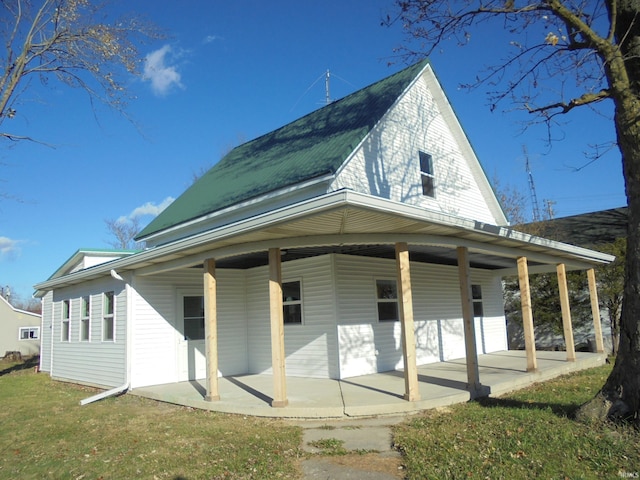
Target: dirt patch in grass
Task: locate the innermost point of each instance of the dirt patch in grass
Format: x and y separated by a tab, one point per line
371	462
352	465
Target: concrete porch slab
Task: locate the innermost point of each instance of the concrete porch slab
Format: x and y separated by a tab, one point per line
440	384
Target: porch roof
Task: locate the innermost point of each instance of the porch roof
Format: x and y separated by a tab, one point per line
351	223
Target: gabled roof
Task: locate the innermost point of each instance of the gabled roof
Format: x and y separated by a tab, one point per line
310	147
80	254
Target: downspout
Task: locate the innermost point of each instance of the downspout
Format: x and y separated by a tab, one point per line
125	386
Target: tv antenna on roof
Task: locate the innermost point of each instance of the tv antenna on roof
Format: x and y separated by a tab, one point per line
327	80
327	87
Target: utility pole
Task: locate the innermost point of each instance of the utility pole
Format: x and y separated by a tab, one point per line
532	187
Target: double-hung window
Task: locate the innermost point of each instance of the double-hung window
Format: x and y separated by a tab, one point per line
292	302
426	175
66	319
387	300
476	294
85	315
108	317
193	309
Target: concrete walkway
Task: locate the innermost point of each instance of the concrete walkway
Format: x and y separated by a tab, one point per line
368	442
440	384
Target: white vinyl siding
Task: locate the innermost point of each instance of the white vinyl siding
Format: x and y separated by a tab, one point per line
339	301
310	348
92	363
368	346
157	331
387	164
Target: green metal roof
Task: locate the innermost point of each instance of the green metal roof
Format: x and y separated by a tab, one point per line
310	147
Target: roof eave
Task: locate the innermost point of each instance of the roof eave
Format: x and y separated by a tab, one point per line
342	198
242	206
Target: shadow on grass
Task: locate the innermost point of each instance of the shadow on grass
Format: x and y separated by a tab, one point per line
567	410
25	365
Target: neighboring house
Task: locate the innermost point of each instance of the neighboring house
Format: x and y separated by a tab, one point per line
588	230
19	330
361	238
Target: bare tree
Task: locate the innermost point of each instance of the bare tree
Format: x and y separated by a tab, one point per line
69	41
123	232
563	55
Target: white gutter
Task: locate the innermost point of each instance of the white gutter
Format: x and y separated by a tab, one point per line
125	386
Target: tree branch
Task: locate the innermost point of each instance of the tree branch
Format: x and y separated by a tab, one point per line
564	107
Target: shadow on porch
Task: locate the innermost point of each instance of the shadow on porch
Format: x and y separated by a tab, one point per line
442	383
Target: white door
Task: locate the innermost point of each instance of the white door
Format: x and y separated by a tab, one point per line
191	344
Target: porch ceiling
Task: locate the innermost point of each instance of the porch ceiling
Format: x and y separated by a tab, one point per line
418	253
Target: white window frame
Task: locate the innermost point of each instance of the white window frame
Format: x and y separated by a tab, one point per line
85	319
300	302
65	322
29	330
181	296
108	317
386	300
428	173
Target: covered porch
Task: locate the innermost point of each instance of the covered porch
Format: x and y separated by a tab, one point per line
440	384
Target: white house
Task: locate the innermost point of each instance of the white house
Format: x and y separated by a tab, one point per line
361	238
19	330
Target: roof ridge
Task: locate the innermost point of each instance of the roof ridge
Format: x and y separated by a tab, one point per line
335	102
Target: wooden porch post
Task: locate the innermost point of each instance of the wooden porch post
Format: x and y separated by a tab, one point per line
405	297
277	329
595	309
464	275
566	312
211	329
527	314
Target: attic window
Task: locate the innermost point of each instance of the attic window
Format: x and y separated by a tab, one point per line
426	174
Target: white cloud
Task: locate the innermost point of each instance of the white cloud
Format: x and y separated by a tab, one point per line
210	38
148	208
161	71
9	248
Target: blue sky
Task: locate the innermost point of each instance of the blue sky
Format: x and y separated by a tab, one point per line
226	73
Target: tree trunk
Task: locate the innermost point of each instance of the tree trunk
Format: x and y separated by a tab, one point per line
619	398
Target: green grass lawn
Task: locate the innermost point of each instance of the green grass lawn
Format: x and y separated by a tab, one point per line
45	433
527	434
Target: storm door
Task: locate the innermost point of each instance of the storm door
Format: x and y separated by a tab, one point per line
191	346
